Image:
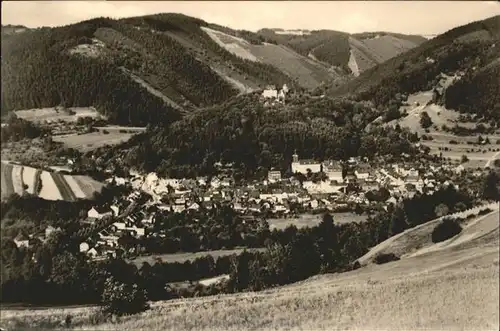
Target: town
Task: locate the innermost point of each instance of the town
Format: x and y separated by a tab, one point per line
346	188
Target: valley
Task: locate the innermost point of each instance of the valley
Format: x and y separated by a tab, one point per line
173	173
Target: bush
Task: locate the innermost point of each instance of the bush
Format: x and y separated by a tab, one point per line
382	258
464	158
453	142
105	131
484	211
123	299
447	229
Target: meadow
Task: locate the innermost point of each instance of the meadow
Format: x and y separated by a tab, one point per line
47	185
183	257
309	73
89	141
53	114
309	220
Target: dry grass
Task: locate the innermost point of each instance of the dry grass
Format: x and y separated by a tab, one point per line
307	220
183	257
52	114
309	73
417	240
90	141
453	287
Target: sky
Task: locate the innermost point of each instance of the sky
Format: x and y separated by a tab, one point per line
410	17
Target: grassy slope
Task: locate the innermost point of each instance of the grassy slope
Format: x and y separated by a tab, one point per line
333	47
451	285
407	66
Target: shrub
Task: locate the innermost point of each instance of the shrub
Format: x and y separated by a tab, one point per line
453	142
382	258
484	211
105	131
123	299
464	158
425	120
447	229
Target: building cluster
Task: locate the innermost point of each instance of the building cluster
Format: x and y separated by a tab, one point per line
275	95
322	186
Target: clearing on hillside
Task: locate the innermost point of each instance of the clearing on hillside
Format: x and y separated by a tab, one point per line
308	72
55	114
89	141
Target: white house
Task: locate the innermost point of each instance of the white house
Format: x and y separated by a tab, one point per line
115	209
302	166
274	176
92	252
22	240
333	171
98	213
194	206
270	92
84	247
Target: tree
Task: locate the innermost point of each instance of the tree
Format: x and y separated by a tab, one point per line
425	120
119	298
441	210
491	186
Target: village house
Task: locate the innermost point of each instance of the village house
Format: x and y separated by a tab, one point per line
99	213
271	92
304	166
22	240
333	170
274	176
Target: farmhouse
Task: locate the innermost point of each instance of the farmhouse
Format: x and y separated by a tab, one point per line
304	166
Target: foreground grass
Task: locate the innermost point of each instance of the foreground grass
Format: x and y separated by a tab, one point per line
453	286
453	289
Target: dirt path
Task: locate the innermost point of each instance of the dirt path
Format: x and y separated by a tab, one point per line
492	159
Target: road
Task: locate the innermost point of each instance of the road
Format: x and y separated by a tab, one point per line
492	159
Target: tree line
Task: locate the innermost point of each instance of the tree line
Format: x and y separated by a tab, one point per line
57	267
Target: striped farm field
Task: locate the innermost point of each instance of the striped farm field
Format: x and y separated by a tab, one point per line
63	187
77	190
7	180
29	179
88	185
49	190
47	185
17	180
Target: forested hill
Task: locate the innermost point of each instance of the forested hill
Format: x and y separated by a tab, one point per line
153	69
255	138
473	49
136	70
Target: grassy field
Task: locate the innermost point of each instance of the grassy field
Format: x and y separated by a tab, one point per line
453	287
183	257
90	141
47	185
309	73
309	220
54	115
